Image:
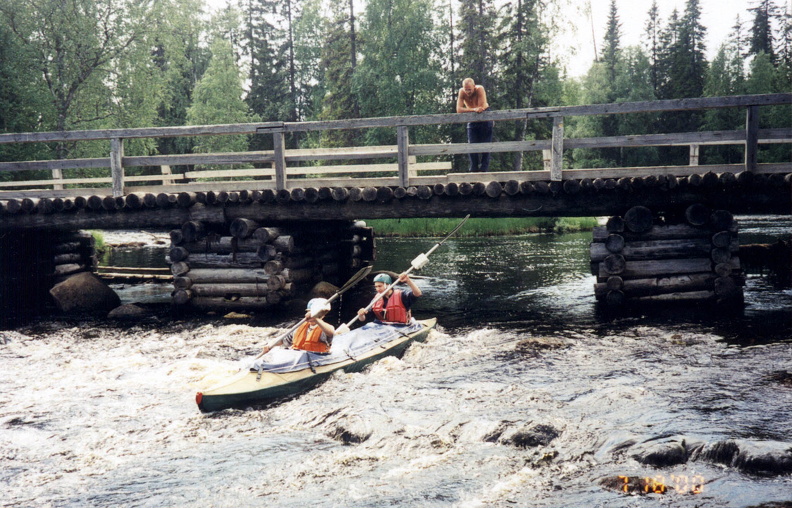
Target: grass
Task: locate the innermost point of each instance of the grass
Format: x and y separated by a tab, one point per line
101	248
480	227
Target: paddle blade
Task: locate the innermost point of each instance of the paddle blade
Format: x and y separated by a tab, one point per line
342	329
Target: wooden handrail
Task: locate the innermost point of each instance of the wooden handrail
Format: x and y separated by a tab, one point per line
403	151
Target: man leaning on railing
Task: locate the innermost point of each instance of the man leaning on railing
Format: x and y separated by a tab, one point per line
472	98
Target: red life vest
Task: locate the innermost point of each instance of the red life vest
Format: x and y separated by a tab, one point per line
392	312
309	341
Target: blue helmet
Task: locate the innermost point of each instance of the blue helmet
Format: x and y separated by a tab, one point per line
384	278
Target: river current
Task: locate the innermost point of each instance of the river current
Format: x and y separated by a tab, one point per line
527	394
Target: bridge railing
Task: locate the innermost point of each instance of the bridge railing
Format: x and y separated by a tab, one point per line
394	165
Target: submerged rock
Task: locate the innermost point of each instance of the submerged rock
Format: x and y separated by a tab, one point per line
535	345
722	452
129	312
774	463
538	435
764	459
350	431
663	454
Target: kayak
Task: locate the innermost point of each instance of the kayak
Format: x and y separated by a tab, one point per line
285	372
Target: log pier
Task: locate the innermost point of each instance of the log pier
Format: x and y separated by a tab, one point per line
645	257
31	263
253	266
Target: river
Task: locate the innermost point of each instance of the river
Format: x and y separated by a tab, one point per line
527	395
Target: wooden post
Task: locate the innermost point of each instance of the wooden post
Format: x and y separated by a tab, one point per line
694	155
117	165
166	170
411	161
547	158
280	160
57	174
557	157
751	137
403	142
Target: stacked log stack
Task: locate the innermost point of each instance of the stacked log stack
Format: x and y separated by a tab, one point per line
645	257
31	263
253	266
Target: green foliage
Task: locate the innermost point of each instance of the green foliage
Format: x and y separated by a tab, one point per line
218	100
765	78
477	37
399	73
631	82
529	77
761	38
480	227
176	30
23	97
725	76
339	59
91	64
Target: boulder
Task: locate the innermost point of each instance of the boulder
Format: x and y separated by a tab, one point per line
530	437
662	453
84	292
322	290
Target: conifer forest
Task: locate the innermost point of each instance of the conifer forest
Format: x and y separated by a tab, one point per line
104	64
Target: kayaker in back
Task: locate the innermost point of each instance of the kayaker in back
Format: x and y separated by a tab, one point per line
315	334
394	306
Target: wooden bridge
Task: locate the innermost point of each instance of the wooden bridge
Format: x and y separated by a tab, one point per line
403	180
243	238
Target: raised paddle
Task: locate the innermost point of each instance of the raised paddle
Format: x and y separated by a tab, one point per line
419	262
362	273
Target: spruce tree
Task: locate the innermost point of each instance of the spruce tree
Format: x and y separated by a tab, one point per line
476	38
309	31
338	62
725	76
181	60
529	78
764	78
610	47
683	64
399	73
761	38
652	30
785	48
217	99
269	96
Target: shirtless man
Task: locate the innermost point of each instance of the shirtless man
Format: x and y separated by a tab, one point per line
472	98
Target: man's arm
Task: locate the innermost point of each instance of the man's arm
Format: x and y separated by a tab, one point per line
461	103
484	105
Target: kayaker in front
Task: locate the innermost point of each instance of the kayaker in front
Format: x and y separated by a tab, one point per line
314	334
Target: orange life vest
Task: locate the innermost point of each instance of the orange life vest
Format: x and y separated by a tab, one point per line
309	341
392	312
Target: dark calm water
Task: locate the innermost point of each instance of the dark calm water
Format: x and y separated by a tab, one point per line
527	395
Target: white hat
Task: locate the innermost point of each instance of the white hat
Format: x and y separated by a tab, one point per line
318	305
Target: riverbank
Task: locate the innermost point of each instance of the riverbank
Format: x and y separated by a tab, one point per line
481	226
